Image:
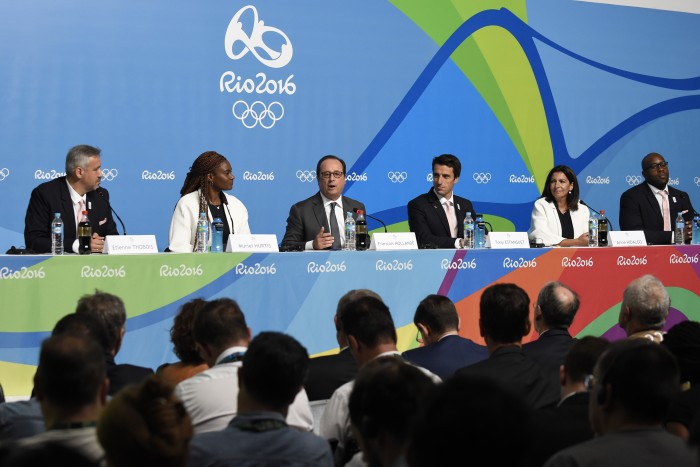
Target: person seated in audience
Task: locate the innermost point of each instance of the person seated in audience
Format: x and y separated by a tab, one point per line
503	321
566	423
50	453
472	421
109	310
184	346
558	217
329	372
203	191
145	425
683	340
633	385
444	351
645	305
386	400
210	397
271	376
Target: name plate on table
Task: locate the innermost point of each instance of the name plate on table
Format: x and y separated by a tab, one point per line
627	238
383	241
261	243
503	240
130	244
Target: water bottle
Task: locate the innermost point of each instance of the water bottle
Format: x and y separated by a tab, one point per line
680	229
217	236
57	234
602	229
593	230
84	235
479	232
361	231
468	231
696	229
202	233
349	233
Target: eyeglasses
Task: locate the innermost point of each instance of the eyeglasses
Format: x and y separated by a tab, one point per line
589	382
328	175
657	166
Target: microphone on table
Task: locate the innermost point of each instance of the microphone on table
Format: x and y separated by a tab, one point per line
610	224
372	217
100	192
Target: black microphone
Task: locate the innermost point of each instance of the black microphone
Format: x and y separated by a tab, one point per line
100	192
610	224
372	217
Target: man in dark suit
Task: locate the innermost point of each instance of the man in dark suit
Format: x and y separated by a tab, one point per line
444	351
428	213
78	190
318	223
503	321
642	207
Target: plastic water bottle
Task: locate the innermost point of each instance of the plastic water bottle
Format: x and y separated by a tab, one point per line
202	233
57	234
593	230
361	231
469	231
217	236
680	229
84	235
602	229
479	232
696	229
349	232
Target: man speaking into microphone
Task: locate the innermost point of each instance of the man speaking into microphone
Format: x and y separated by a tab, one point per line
69	195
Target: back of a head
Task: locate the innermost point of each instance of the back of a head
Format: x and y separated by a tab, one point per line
648	301
472	421
274	369
71	371
220	323
503	311
438	313
582	357
369	321
683	340
558	303
642	377
109	309
387	397
145	425
181	334
83	324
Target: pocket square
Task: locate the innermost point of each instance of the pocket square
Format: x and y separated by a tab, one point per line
103	221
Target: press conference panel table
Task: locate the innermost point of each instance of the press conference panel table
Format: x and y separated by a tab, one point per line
297	292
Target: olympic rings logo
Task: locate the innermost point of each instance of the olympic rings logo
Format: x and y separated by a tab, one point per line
255	42
481	177
258	113
397	177
4	173
697	181
633	179
109	174
306	175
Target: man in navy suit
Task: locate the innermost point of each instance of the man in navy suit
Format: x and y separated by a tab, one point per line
444	350
642	207
78	190
437	217
310	224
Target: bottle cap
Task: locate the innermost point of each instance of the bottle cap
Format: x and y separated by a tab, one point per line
602	212
84	213
217	219
360	211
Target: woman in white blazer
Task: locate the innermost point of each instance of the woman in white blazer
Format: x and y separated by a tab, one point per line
203	191
558	217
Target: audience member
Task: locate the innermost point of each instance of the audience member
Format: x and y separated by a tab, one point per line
49	453
184	346
270	378
210	397
444	350
634	383
645	305
503	321
683	340
145	425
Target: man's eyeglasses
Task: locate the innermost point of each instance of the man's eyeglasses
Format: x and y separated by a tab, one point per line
328	175
657	166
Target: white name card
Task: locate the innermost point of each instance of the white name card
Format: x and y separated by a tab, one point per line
627	238
130	244
503	240
259	243
383	241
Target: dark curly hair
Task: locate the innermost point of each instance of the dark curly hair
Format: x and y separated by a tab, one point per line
181	333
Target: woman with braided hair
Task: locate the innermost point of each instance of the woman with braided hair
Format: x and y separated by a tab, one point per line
203	191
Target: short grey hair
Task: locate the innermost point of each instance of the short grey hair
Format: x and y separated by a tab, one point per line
78	156
648	301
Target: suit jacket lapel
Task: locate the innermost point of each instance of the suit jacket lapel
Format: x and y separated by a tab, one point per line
439	210
320	212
